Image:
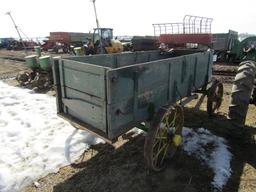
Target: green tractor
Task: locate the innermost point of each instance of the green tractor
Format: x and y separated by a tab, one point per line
240	49
228	48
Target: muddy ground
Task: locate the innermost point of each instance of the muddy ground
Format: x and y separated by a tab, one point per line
120	167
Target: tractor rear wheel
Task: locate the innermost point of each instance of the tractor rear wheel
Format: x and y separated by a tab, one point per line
241	93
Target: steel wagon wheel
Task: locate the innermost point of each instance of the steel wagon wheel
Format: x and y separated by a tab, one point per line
164	136
215	97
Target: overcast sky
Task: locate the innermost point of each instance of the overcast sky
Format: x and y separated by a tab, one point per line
127	17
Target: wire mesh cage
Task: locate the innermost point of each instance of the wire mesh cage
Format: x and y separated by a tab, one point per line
190	25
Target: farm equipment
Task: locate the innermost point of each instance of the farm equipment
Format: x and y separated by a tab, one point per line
102	42
13	44
223	44
244	89
228	48
65	41
39	76
5	42
193	32
240	49
21	43
144	43
109	94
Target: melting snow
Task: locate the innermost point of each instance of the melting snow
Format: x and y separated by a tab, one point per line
211	150
35	142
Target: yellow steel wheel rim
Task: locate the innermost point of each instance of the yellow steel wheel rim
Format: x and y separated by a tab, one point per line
164	140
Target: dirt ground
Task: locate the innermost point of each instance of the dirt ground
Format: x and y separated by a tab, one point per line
120	167
21	54
9	68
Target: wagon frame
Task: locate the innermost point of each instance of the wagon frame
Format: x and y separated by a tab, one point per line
110	94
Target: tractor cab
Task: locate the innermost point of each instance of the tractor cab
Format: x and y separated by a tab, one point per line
102	38
102	42
104	33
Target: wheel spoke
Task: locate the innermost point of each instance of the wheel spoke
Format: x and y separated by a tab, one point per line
165	152
161	138
166	121
159	151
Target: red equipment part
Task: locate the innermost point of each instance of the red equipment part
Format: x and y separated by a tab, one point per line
61	37
193	29
64	40
180	40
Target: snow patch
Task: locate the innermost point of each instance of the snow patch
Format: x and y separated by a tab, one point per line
211	150
34	141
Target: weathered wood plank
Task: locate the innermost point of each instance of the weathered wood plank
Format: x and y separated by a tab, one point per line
86	112
111	93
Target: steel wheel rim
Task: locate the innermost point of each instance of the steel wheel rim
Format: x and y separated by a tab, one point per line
217	98
163	144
